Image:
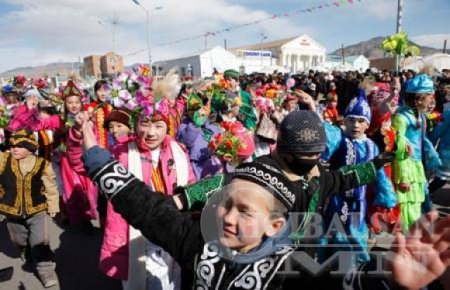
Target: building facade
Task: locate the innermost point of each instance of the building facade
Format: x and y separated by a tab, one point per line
107	65
287	55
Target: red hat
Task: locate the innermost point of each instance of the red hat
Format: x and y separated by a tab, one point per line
71	90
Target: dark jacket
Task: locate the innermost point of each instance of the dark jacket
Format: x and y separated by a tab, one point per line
203	263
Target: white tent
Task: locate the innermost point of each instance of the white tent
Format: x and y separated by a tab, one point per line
321	68
439	61
344	67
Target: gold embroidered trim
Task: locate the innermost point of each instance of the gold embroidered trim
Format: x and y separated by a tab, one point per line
28	200
22	192
2	192
23	139
16	209
3	161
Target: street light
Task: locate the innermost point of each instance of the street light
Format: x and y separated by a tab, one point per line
114	22
147	13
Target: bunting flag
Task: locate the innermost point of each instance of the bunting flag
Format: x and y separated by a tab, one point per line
335	4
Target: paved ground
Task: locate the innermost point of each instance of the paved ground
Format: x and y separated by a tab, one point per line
77	257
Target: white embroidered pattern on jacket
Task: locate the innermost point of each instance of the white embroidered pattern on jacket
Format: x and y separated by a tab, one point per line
344	211
113	182
261	273
350	159
205	268
253	279
271	181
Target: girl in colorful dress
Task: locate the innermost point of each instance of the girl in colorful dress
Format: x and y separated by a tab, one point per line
80	194
196	132
163	164
383	101
99	111
413	150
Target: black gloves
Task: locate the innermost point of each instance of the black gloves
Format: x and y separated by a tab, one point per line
383	158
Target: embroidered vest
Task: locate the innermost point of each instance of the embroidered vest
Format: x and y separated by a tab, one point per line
21	196
213	272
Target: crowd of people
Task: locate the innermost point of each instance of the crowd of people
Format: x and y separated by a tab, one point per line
266	160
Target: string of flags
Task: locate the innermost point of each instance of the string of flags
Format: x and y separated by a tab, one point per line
333	4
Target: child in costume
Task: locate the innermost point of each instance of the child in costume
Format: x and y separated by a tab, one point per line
196	132
119	123
28	192
331	113
162	164
246	113
351	147
383	102
413	149
245	244
441	134
80	194
99	110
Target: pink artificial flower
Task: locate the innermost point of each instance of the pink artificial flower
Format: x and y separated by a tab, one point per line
133	76
125	95
163	107
131	105
118	102
123	76
117	84
147	110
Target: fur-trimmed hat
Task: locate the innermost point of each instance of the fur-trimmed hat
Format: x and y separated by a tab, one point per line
121	115
24	139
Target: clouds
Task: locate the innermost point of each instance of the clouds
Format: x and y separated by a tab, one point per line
39	32
49	30
433	40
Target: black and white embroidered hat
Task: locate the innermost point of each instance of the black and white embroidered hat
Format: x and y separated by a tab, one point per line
268	177
301	131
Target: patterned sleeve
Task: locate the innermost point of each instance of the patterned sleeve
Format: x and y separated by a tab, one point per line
385	195
348	177
198	193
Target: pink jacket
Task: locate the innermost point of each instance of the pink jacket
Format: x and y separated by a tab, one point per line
114	251
29	119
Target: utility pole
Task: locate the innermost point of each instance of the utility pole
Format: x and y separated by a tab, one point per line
398	30
445	46
115	21
343	55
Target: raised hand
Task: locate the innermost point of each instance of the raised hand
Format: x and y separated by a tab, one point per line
87	130
422	255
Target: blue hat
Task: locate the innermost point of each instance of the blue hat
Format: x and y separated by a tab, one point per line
359	107
8	89
420	84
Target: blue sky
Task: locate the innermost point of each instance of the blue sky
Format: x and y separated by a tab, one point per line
44	31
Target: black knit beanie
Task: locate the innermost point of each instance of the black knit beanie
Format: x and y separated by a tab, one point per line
301	131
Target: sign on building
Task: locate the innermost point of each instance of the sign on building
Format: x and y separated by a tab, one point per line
253	53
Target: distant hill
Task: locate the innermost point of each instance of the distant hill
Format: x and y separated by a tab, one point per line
52	69
372	48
